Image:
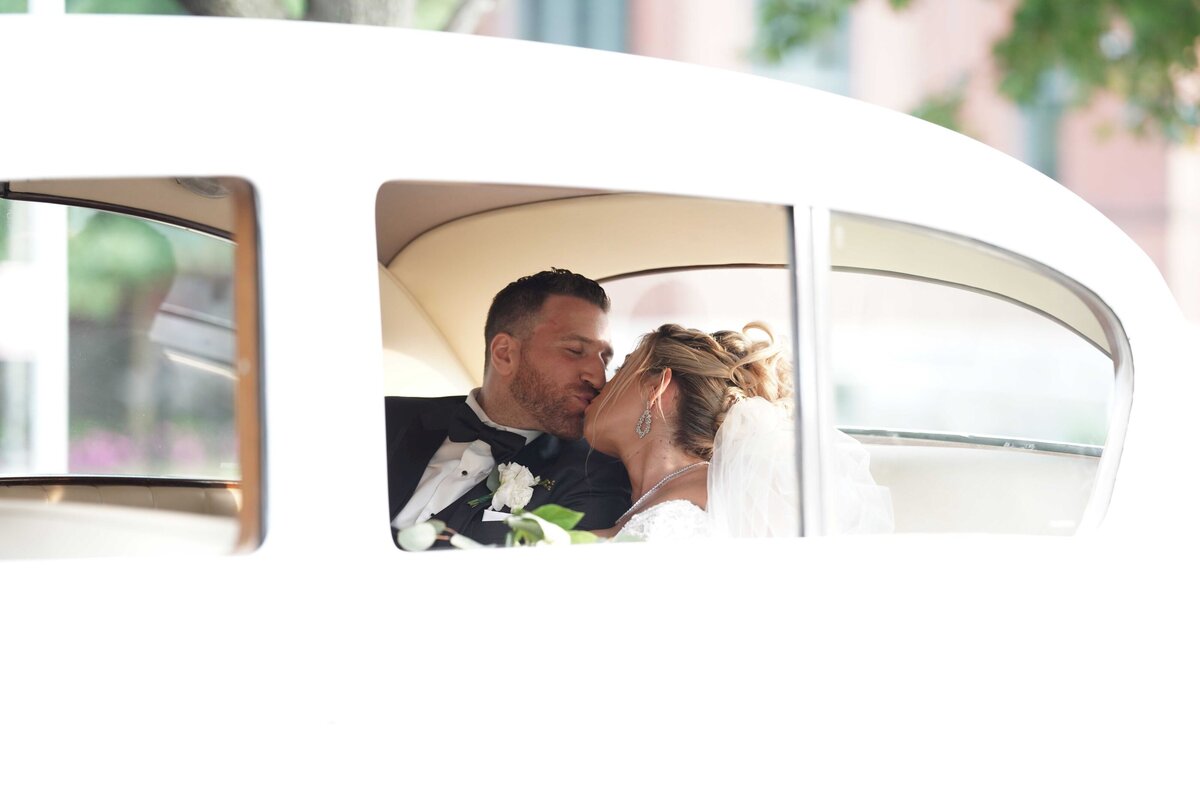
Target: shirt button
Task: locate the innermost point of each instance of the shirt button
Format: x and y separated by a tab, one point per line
464	472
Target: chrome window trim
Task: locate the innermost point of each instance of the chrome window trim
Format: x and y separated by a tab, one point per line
971	440
809	247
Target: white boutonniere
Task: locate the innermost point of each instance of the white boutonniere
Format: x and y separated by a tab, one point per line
511	485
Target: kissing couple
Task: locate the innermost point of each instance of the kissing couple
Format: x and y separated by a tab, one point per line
692	437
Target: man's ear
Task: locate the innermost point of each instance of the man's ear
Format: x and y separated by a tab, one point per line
504	354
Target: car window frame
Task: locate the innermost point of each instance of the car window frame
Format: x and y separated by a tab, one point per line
249	396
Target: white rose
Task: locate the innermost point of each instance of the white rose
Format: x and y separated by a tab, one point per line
516	487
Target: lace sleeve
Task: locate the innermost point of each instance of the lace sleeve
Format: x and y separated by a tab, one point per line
674	519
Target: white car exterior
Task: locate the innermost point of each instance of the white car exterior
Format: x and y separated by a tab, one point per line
327	662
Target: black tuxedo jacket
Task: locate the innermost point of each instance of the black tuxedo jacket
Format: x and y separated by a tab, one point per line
584	480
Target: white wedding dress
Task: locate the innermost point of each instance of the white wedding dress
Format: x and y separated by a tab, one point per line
668	520
752	486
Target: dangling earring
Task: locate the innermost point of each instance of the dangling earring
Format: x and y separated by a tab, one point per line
643	423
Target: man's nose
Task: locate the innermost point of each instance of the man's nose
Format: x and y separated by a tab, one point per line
594	372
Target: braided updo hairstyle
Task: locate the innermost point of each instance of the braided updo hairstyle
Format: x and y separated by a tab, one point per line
712	372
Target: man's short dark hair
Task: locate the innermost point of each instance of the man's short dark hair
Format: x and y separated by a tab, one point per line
514	307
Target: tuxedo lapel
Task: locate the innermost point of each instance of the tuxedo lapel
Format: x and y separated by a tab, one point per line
412	451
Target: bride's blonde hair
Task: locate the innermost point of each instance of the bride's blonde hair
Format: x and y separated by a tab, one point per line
712	372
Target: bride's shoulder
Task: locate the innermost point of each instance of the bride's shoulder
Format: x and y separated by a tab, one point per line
670	519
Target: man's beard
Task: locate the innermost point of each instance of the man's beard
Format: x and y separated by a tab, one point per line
547	403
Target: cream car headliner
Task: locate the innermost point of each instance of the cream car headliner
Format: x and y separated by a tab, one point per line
162	198
454	270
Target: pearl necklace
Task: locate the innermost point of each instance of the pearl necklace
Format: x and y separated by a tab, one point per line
641	500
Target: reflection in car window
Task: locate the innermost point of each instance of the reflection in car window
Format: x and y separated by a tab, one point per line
981	384
920	356
117	346
708	298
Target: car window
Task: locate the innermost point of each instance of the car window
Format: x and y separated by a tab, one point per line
708	298
446	250
982	385
118	345
926	357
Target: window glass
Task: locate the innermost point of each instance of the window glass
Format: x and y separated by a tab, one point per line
981	385
447	251
120	403
711	299
147	354
922	356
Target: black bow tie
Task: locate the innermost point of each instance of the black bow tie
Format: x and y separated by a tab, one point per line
465	426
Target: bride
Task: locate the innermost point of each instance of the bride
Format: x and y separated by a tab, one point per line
703	425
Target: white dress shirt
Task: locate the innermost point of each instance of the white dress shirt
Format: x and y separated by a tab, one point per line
454	469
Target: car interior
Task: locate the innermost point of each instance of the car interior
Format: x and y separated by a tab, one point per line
443	251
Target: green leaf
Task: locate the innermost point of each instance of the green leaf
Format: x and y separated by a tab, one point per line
478	501
525	525
564	518
583	537
493	482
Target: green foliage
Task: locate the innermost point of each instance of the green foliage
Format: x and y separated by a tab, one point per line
524	532
944	108
124	7
564	518
111	256
1142	51
785	25
14	6
434	14
583	537
528	529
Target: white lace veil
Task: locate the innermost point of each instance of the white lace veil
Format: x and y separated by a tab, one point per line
752	482
752	486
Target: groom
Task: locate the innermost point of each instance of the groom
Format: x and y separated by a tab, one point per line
547	350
